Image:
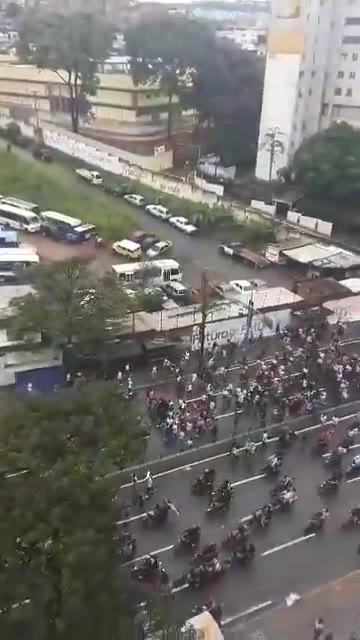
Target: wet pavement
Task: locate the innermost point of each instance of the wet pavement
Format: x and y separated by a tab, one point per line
337	603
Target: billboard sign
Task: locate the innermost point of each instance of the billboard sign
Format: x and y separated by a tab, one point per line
237	330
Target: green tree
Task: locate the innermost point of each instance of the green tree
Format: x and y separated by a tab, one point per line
58	520
71	306
227	93
327	165
72	46
165	52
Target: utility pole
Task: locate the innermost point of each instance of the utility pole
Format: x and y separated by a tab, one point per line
204	297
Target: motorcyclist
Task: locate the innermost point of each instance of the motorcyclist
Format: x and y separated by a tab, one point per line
207	553
235	450
273	463
336	477
320	516
355	514
191	535
286	482
288	496
242	531
263	515
250	447
246	551
160	512
208	476
222	494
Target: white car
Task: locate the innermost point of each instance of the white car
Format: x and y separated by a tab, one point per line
158	248
135	199
182	224
158	211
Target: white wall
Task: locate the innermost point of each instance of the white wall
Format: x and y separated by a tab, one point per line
279	97
107	158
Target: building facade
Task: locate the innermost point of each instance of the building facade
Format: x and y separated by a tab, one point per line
312	76
135	117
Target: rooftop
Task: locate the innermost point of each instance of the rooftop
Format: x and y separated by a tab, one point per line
8	293
352	284
324	256
344	310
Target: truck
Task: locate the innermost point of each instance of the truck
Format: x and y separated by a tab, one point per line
93	177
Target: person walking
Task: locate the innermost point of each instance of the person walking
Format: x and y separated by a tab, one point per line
318	628
149	483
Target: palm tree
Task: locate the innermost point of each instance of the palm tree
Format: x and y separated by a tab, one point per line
274	146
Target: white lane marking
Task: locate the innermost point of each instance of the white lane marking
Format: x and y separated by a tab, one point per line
353	479
183	586
233	484
287	544
157	551
187	467
353	446
171	546
247	612
247	480
16	605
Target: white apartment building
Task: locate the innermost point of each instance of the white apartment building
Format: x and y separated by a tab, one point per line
312	76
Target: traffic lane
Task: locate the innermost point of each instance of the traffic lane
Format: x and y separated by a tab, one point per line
285	526
297	568
170	483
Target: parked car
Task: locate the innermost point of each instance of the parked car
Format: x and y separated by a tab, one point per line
116	190
163	246
42	153
177	291
145	240
128	249
93	177
135	199
158	211
182	224
231	249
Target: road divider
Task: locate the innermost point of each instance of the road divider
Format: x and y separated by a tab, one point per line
222	447
247	612
353	479
287	544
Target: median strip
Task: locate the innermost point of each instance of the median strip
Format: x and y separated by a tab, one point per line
287	544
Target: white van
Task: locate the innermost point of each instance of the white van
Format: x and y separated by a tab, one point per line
127	248
93	177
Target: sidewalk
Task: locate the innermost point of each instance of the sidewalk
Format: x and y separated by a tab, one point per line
337	603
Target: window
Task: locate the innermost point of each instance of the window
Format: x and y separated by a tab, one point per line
313	74
340	74
338	91
352	20
344	56
348	93
355	55
352	75
301	74
310	91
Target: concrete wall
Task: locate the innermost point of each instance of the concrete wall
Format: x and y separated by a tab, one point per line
143	169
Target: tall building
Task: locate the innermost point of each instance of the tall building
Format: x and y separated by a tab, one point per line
312	76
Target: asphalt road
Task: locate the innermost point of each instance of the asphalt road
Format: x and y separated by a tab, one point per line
195	254
155	446
286	561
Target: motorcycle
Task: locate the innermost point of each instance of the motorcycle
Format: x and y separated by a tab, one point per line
353	470
155	518
333	461
350	522
281	487
242	558
216	508
155	576
127	552
280	504
202	487
328	487
196	578
270	470
234	540
314	526
186	545
259	519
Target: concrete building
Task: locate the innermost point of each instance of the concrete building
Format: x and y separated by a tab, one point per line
131	117
312	76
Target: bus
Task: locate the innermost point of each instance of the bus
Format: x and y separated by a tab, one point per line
60	227
16	218
15	262
21	204
154	272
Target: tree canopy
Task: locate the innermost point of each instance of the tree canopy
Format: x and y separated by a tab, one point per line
166	51
71	45
327	165
58	519
222	83
70	305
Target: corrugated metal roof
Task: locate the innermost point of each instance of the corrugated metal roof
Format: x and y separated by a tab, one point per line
353	284
342	259
310	252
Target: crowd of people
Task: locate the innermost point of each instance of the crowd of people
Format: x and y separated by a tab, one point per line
300	379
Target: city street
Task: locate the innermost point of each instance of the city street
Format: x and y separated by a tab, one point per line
225	414
286	559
